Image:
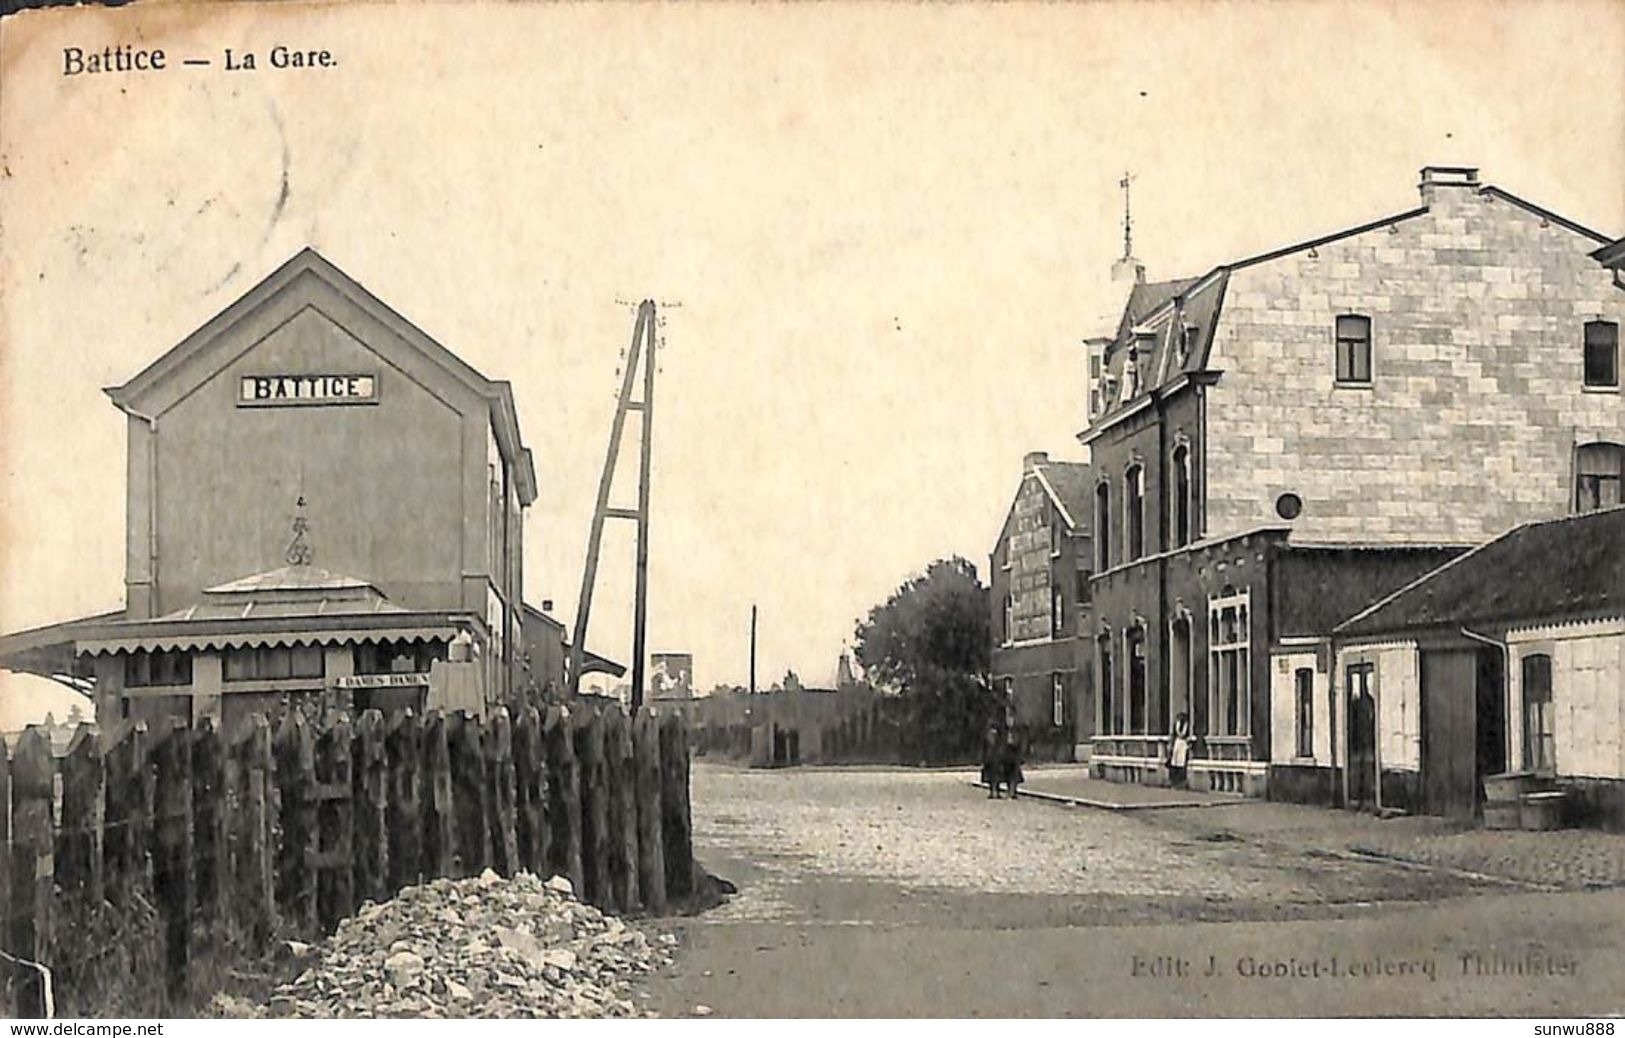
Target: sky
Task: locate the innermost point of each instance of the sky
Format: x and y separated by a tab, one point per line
880	231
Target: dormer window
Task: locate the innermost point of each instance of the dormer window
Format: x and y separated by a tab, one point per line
1353	350
1601	355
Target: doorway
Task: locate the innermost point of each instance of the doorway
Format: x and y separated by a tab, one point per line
1362	729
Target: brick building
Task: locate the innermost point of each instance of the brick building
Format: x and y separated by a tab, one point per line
1040	600
1290	437
324	509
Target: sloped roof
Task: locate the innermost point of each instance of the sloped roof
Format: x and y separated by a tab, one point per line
309	263
290	578
1570	568
1069	485
1197	302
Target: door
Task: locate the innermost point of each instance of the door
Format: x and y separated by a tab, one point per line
1362	728
1450	732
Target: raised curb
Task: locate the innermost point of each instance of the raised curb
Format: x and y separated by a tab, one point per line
1107	805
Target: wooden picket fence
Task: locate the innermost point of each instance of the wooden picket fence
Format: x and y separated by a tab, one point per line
182	848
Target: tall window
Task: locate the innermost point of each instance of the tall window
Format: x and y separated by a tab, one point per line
1304	687
1599	472
1083	586
164	667
1058	700
1103	526
1134	510
1136	679
1182	496
1055	531
1009	618
1539	744
1353	349
1228	665
1602	354
1111	705
1057	612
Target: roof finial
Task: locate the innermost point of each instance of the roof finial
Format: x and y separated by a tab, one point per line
1128	220
299	551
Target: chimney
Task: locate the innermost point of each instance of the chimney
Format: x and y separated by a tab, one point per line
1439	182
1035	460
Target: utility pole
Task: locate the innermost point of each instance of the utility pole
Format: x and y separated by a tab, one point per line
642	348
753	650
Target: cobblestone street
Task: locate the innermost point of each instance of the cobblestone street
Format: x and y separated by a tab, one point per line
897	892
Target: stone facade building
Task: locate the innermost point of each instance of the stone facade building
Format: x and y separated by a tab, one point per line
1289	437
1040	599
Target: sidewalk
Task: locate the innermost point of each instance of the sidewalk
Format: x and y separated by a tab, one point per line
1071	784
1565	859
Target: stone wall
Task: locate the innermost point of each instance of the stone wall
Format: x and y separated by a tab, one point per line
1476	403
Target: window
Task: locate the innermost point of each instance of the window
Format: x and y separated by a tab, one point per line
1353	349
1058	700
1055	531
1134	510
1289	506
1103	526
1182	496
1539	743
1602	354
275	663
398	657
1083	586
164	667
1135	639
1057	612
1304	681
1009	617
1229	665
1599	471
1111	705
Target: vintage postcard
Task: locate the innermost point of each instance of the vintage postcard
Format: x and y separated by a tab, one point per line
782	510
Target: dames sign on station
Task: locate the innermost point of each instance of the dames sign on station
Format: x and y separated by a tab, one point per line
289	390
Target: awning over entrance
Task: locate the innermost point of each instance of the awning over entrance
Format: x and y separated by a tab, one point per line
49	651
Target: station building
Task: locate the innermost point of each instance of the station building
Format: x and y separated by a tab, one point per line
325	509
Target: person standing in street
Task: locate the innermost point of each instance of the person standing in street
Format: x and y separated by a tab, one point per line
1179	751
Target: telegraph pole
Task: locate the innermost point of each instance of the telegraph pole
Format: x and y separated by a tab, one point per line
641	349
753	650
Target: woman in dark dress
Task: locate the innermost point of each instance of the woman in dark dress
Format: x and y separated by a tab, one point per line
991	769
1010	761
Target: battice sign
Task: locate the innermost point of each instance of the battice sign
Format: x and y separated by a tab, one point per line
381	680
276	390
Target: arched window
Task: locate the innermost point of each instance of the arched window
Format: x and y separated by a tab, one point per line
1103	526
1602	354
1599	472
1135	654
1111	704
1182	496
1354	349
1134	511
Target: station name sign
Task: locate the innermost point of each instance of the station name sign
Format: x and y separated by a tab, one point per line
295	390
381	680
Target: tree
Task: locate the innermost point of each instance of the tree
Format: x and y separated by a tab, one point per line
791	682
931	641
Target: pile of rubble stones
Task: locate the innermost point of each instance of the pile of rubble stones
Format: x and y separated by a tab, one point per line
485	947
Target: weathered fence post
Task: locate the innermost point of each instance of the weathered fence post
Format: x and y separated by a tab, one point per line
371	809
589	740
84	792
172	851
651	846
210	854
469	793
129	817
499	771
530	790
5	859
405	828
676	825
438	846
254	893
335	878
296	853
623	811
32	867
564	800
